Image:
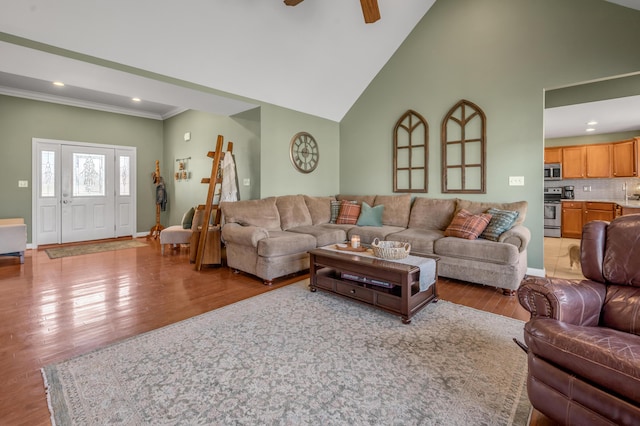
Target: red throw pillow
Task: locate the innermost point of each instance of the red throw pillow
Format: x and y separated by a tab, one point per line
467	225
349	213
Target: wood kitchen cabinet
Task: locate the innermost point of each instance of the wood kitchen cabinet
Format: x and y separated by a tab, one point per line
599	211
553	155
571	224
574	162
598	161
624	158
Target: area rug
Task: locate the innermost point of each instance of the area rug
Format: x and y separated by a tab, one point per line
292	357
58	252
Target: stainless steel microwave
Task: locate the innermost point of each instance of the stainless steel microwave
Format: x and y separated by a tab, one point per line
553	171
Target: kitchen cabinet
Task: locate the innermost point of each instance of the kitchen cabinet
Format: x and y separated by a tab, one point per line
623	211
598	211
571	225
625	158
553	155
598	161
573	161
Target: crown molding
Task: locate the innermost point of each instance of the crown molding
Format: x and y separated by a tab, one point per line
26	94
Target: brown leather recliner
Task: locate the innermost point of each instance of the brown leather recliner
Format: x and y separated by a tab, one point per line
583	337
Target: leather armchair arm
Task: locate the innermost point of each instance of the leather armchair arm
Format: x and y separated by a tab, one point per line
519	236
243	235
574	302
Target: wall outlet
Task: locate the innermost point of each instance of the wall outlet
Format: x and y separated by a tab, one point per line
586	188
516	180
23	184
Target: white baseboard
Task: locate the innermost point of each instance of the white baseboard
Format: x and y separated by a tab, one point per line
536	272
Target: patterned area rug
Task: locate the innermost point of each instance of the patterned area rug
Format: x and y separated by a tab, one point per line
298	358
58	252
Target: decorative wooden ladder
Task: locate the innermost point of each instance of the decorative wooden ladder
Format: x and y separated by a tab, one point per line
213	181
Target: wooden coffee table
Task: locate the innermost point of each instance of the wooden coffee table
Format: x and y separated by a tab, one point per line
387	285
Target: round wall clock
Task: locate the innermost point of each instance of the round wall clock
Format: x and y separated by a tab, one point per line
304	152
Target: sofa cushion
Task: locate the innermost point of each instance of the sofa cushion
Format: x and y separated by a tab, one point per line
262	213
501	221
397	209
480	250
431	213
282	243
349	213
421	240
467	225
324	235
477	207
369	199
293	211
319	209
368	233
370	216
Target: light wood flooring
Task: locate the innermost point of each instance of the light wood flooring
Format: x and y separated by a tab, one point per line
52	310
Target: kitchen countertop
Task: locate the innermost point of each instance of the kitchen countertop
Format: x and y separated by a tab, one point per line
623	203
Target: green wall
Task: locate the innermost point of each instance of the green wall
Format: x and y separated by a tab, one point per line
22	119
242	129
501	55
278	176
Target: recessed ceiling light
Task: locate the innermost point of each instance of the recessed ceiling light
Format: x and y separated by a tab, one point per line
591	123
135	99
58	83
591	129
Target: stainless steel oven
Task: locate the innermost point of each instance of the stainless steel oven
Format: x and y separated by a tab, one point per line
552	212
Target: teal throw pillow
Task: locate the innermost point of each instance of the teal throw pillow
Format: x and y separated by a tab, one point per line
501	221
370	216
187	218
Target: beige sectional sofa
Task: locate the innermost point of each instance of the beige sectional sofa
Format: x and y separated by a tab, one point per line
270	238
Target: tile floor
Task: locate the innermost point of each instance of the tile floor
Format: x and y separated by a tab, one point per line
556	258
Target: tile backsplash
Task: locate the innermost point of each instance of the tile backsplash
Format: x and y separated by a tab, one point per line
599	189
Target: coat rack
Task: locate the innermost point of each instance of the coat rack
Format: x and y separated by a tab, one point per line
161	198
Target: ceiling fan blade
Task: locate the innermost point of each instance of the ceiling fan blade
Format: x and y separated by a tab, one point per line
292	2
370	10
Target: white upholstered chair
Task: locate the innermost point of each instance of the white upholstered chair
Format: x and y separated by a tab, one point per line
181	234
13	238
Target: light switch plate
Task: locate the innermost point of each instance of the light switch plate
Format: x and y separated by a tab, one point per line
23	184
516	180
246	182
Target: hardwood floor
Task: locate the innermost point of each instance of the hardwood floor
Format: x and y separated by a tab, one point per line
52	310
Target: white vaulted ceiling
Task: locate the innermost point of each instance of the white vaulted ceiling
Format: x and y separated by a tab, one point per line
316	57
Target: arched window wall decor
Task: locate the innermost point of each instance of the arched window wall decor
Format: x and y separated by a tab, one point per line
463	136
410	153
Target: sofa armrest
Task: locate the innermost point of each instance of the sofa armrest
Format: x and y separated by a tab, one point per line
519	236
243	235
574	302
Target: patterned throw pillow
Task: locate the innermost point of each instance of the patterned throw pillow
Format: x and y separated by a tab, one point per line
349	213
501	221
370	216
466	225
335	210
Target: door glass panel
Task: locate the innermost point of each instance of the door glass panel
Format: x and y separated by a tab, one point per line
88	175
47	174
124	175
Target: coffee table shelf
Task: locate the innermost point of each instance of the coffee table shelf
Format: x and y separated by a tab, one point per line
403	296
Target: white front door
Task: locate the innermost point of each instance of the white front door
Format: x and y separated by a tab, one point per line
82	192
87	193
